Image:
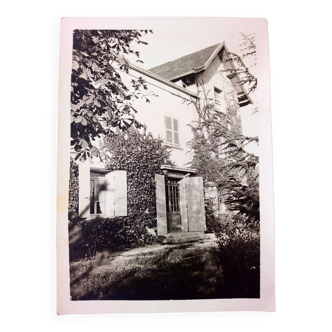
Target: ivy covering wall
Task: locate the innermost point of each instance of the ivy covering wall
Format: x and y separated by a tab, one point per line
141	155
73	190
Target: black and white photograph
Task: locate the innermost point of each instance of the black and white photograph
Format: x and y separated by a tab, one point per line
166	143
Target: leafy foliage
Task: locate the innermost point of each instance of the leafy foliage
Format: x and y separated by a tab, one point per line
239	256
100	101
211	217
141	156
220	158
246	78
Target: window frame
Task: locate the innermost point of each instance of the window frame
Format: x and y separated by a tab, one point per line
172	194
97	179
218	99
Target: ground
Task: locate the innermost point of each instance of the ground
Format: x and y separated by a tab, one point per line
160	272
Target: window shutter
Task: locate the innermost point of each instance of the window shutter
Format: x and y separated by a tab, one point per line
183	205
116	194
175	125
161	205
176	138
168	122
176	132
120	195
195	203
84	190
169	138
169	134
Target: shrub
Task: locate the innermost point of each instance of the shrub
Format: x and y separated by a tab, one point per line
99	234
239	255
212	221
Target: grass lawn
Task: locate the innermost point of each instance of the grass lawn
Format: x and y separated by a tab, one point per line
179	272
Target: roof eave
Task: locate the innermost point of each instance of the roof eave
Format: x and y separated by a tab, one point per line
207	64
161	79
175	168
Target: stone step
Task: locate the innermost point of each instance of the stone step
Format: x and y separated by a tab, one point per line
183	234
184	237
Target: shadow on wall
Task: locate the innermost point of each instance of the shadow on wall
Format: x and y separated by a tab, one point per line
77	233
75	230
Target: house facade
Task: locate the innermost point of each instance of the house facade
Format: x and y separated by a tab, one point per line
178	89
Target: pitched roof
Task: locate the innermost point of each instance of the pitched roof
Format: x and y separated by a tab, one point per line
197	62
184	65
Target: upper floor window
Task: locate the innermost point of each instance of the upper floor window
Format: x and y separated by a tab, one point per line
172	131
217	98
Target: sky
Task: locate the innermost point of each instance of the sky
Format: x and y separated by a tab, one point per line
164	46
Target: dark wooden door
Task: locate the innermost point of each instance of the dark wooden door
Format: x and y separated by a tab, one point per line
172	206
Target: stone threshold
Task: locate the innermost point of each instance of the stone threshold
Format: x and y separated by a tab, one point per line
184	237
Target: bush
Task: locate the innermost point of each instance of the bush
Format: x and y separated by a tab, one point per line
99	234
212	221
239	255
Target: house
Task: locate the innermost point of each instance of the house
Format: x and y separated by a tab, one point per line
181	86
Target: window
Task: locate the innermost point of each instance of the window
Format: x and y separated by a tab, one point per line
172	196
189	80
217	98
97	196
172	131
102	193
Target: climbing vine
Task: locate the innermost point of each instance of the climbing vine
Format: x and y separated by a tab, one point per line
141	155
73	190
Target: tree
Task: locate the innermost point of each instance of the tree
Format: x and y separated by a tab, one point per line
219	150
248	50
100	101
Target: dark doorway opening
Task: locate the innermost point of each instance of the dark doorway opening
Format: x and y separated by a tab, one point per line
173	206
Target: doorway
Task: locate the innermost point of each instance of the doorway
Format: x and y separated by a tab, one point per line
173	206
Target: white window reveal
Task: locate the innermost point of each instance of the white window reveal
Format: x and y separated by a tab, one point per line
172	131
